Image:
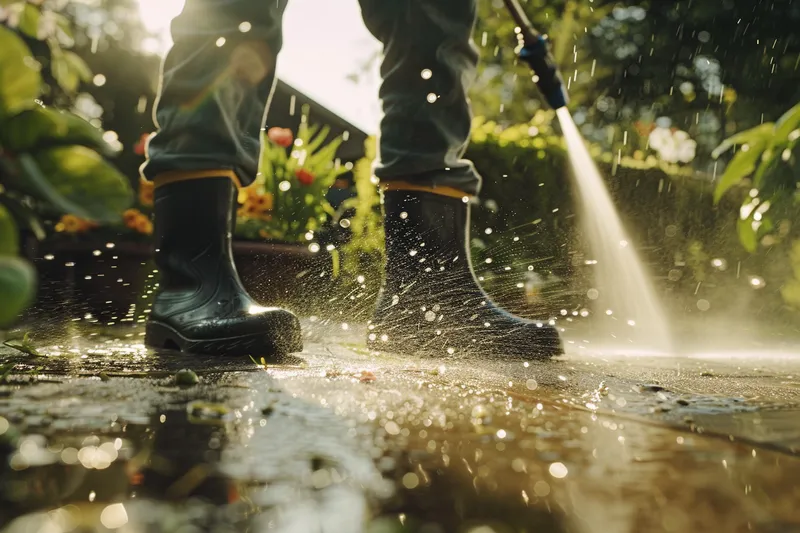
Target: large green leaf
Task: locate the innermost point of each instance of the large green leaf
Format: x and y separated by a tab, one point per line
20	82
788	122
42	127
741	166
9	237
78	180
759	134
17	288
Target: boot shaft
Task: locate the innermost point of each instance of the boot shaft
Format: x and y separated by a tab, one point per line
193	228
426	233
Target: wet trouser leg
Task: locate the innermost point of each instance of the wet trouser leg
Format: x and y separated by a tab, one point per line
218	77
428	66
216	84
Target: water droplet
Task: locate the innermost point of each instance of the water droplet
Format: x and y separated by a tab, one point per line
631	322
345	223
412	253
703	305
558	470
432	98
99	80
309	235
488	231
488	260
411	481
757	282
96	253
313	247
501	433
245	27
220	42
114	516
426	74
593	294
430	316
345	326
531	384
49	257
284	186
451	351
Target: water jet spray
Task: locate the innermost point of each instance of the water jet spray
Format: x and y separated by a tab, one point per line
634	314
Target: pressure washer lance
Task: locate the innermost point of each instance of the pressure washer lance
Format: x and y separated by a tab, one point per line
534	49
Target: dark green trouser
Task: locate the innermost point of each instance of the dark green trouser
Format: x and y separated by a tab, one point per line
219	75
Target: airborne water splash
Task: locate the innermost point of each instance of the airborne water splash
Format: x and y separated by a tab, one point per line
626	299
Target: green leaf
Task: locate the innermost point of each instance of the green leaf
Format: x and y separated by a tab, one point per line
758	135
78	180
9	236
788	122
42	127
742	165
17	288
29	20
747	236
62	71
78	66
24	215
25	345
20	81
64	34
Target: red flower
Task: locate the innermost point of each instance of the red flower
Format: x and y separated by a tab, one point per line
140	147
304	176
281	136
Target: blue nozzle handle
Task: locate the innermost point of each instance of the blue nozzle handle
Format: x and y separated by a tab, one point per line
535	52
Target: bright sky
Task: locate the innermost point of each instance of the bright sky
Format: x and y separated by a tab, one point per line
324	43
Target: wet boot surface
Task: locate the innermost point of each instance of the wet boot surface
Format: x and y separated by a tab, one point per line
98	435
200	305
431	301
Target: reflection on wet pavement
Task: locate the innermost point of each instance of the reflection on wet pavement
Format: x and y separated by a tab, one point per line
99	436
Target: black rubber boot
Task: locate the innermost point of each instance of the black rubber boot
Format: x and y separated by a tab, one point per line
431	301
201	306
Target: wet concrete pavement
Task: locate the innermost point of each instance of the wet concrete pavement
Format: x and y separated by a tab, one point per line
99	437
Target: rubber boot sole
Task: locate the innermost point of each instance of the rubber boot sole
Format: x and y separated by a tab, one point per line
159	335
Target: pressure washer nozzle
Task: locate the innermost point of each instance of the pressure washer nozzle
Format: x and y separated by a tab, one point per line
536	53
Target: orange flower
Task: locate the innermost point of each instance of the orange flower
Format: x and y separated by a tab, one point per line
146	189
304	176
265	202
144	226
264	234
73	224
130	216
281	136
